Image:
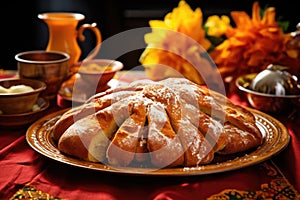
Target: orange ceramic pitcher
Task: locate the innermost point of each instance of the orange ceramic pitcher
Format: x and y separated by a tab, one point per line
63	34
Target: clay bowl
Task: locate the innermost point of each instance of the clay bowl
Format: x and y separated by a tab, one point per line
19	101
98	72
21	120
51	67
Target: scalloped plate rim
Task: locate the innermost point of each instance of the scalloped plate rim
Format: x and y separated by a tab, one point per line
283	139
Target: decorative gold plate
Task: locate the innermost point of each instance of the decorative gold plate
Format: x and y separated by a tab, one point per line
276	138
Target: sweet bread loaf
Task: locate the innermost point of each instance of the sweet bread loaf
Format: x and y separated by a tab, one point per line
169	123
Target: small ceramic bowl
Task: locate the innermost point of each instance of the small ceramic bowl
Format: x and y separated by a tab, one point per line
270	103
21	120
19	102
99	72
51	67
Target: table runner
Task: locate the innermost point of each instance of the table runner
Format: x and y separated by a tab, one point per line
22	167
25	172
277	188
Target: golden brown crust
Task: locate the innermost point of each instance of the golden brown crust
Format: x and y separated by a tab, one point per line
169	123
72	115
121	150
196	147
163	143
76	139
237	115
142	152
93	105
94	132
238	140
215	105
211	129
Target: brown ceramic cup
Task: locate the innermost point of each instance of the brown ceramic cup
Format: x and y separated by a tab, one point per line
50	67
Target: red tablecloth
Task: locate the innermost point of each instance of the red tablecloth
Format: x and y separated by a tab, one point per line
24	170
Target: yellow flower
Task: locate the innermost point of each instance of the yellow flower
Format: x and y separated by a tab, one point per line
174	44
217	26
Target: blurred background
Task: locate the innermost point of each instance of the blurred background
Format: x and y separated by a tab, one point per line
21	30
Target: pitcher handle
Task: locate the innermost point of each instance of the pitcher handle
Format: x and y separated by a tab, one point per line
93	27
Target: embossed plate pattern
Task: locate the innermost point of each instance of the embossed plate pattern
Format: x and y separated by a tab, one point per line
276	138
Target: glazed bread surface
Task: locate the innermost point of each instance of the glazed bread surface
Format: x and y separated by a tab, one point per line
169	123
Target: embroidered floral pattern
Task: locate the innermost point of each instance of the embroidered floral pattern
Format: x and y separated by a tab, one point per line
278	188
31	193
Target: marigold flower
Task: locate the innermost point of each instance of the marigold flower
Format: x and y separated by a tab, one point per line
175	43
252	45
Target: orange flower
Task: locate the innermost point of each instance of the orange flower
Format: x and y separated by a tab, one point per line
175	45
252	45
